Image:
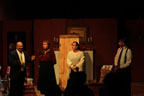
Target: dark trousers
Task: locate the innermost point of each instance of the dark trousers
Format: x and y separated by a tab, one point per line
17	86
125	80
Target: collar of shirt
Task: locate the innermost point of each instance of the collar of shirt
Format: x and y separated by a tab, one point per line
124	47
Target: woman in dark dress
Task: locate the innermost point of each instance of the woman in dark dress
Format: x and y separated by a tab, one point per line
47	81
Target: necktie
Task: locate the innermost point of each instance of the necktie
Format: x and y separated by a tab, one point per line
120	57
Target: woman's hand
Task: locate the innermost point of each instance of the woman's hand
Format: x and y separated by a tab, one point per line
74	68
33	57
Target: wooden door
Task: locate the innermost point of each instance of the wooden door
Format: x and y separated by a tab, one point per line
65	47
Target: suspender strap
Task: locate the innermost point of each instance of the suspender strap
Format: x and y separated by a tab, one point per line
126	55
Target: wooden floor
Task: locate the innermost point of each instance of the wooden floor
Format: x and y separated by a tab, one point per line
137	89
30	91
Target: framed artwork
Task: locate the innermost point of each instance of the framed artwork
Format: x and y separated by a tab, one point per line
78	30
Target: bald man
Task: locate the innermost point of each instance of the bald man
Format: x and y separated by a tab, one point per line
18	60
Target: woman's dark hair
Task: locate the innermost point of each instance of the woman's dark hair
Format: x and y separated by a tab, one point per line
77	44
46	41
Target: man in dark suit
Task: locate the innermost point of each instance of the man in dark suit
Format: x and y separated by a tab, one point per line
18	60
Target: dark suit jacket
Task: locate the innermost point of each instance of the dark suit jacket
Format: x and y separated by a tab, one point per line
16	65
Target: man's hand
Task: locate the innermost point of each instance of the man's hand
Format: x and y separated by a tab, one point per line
33	57
115	68
22	63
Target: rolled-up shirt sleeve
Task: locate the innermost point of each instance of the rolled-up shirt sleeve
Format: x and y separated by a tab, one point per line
116	58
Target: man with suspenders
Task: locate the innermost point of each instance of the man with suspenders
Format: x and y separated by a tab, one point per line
122	62
123	57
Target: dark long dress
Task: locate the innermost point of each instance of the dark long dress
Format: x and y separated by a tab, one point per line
47	80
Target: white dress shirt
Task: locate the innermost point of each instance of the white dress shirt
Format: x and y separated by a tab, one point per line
123	64
23	56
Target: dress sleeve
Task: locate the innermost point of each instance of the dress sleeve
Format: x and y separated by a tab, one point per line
53	57
69	62
81	62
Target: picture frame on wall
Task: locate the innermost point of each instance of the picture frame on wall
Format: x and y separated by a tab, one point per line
78	30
